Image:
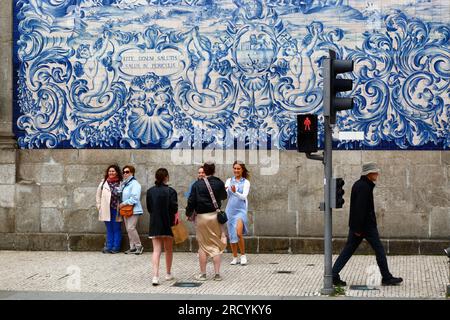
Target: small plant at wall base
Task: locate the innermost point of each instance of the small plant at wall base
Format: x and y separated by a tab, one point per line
338	291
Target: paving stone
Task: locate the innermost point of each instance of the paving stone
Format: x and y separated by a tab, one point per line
40	241
306	246
433	247
403	247
278	245
364	248
425	277
83	242
7	219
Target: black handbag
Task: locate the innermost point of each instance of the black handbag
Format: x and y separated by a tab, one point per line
221	215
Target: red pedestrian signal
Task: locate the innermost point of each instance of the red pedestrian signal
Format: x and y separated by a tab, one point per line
307	133
307	124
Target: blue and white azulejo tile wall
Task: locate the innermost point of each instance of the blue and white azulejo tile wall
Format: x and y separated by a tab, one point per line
162	73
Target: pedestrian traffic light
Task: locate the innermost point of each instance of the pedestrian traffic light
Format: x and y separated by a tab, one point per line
307	133
332	86
337	193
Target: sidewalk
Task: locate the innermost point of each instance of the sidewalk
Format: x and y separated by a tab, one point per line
92	275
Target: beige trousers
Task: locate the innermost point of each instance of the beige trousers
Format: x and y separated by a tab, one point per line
133	235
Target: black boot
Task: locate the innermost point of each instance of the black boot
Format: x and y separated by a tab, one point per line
338	282
391	281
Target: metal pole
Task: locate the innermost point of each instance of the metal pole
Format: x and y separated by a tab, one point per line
328	174
448	285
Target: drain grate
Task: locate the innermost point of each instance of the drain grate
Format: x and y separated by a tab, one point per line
187	284
284	271
362	287
273	263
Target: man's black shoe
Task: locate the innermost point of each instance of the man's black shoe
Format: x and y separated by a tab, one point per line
391	281
339	283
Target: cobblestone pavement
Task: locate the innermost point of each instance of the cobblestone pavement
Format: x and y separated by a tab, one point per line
425	277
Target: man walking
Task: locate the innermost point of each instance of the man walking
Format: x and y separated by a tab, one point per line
363	225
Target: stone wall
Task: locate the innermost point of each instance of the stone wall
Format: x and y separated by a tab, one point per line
47	198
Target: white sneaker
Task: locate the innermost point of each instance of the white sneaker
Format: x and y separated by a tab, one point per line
243	260
200	277
139	250
169	277
155	281
235	261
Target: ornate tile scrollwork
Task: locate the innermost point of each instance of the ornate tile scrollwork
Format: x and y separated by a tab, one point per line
153	73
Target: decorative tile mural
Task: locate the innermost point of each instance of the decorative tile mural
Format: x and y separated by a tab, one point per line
160	73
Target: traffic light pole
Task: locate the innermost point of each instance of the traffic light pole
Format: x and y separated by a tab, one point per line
332	103
328	176
328	246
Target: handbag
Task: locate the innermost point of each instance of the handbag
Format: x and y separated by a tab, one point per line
179	230
126	211
221	215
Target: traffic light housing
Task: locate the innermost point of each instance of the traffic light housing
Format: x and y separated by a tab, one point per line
337	193
307	133
332	86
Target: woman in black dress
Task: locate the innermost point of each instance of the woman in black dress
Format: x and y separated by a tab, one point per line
162	204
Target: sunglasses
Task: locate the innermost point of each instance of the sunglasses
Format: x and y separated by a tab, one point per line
126	171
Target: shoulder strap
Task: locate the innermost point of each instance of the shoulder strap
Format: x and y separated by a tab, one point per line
123	187
129	181
211	193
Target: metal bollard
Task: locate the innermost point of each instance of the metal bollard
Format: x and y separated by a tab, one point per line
447	252
448	285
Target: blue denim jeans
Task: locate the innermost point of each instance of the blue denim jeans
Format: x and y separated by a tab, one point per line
353	241
113	232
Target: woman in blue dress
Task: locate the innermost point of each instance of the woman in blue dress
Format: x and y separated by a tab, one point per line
238	188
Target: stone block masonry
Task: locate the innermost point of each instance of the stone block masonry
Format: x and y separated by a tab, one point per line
49	201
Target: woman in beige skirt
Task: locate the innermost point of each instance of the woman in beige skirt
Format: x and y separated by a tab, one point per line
209	233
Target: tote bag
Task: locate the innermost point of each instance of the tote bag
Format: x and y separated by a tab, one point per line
179	230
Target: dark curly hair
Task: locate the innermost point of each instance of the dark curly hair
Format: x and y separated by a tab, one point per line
115	167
